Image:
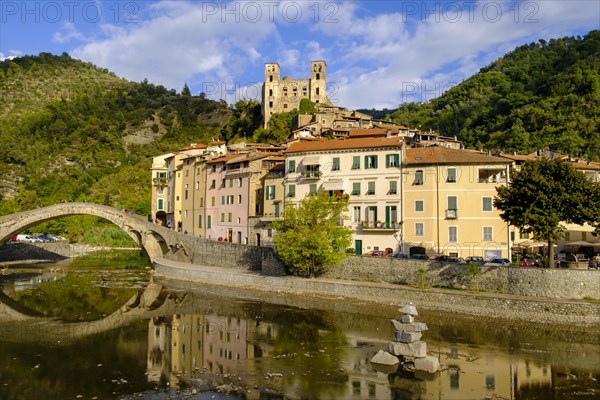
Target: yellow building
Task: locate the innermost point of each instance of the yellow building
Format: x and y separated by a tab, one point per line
448	203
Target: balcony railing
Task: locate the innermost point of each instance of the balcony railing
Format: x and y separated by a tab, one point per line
311	175
159	181
379	225
451	214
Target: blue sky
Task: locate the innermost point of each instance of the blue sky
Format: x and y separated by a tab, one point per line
378	53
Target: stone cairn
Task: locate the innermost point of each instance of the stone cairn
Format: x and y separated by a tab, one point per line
406	343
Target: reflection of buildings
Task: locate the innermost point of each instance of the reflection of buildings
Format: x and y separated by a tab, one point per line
183	343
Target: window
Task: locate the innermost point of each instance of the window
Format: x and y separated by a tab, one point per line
370	162
291	191
356	188
451	178
292	166
197	185
371	188
452	234
419	206
231	199
356	214
208	222
222	183
270	192
185	194
213	184
222	217
222	199
212	201
229	217
356	162
391	216
419	229
487	233
269	232
486	203
392	160
213	168
336	164
239	199
312	188
418	177
240	182
176	198
277	209
199	221
231	183
393	187
201	201
525	235
452	203
161	204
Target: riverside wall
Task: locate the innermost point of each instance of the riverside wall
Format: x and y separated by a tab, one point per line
534	282
490	305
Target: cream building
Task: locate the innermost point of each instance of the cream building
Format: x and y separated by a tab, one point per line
282	95
366	169
159	175
448	203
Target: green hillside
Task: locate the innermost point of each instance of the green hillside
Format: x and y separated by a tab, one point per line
541	94
72	131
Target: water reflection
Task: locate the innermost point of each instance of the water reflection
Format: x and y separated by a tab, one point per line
168	336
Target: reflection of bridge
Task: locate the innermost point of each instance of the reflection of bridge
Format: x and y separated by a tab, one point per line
157	240
21	325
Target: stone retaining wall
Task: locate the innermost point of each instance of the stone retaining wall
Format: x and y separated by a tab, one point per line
523	281
485	304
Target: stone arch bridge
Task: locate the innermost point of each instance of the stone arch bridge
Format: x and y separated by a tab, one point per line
157	240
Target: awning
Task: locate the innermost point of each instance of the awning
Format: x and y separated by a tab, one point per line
582	243
530	244
311	160
333	185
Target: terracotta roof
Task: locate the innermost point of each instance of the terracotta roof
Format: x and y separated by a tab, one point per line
588	165
444	155
343	144
518	157
224	158
194	146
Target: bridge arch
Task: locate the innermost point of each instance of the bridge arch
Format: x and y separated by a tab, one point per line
156	240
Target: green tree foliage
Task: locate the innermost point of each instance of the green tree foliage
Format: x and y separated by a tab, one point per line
245	120
66	125
545	193
279	128
311	235
544	94
307	107
186	90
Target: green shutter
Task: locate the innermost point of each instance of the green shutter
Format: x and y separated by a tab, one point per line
388	158
375	161
387	216
366	162
292	166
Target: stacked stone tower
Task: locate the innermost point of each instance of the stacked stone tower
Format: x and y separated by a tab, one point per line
407	343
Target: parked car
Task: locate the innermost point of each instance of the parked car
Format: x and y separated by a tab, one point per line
441	258
498	262
474	259
455	260
422	257
376	253
400	255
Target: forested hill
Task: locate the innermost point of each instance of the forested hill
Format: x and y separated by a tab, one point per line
72	131
541	94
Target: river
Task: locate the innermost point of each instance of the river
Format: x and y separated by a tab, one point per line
101	327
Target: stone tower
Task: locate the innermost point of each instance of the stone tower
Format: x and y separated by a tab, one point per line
281	95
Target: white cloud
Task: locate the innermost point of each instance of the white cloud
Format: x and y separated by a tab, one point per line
68	34
179	41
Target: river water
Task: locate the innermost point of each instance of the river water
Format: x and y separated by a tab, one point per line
101	327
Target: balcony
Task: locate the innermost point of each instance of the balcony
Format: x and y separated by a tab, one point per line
161	182
379	225
311	175
451	214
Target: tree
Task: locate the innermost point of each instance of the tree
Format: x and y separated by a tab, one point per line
545	193
311	235
186	90
307	107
